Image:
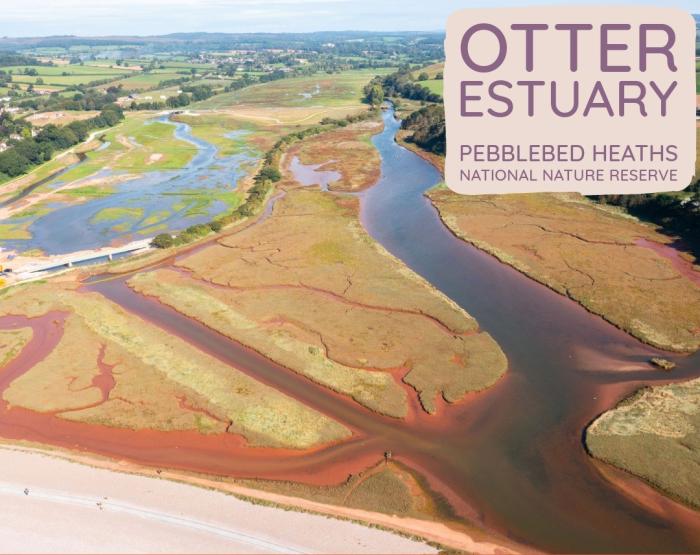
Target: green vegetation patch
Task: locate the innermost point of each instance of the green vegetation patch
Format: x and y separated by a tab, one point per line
655	434
117	213
215	129
88	191
136	145
13	232
434	85
12	342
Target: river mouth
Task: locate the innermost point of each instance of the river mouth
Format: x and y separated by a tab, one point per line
510	457
524	462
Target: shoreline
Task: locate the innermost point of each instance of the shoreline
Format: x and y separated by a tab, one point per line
435	534
161	499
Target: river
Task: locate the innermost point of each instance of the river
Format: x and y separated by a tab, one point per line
522	457
510	457
141	206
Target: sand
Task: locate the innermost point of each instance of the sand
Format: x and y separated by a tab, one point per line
82	509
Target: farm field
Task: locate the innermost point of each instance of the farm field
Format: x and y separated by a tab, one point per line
71	70
144	81
435	85
60	118
57	78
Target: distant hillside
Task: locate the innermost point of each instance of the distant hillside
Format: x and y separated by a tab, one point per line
213	41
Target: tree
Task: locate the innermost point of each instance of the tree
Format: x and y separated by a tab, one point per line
374	93
39	81
163	241
428	126
423	76
183	99
268	173
13	164
439	75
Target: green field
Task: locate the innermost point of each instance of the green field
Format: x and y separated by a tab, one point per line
145	80
59	80
317	90
57	77
61	76
91	71
435	85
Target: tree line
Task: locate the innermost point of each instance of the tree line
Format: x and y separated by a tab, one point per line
87	100
26	153
428	126
264	180
191	93
427	123
398	84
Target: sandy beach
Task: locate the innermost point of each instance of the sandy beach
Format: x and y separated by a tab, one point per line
127	513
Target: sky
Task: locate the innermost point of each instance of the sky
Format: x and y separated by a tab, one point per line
22	18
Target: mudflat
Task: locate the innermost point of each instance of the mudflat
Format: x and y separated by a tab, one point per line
311	290
348	152
126	373
612	264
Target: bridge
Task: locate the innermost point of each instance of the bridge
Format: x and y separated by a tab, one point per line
80	258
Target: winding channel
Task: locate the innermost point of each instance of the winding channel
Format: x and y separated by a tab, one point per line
146	204
511	457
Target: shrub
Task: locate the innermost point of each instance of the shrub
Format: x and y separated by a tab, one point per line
163	241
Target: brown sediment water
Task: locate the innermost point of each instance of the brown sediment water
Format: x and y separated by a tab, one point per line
680	264
511	457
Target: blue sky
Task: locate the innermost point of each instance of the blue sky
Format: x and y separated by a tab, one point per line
151	17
